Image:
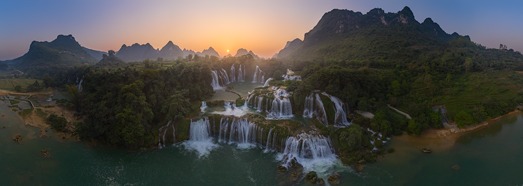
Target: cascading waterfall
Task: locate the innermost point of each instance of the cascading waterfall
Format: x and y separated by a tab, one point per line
215	83
79	87
258	76
308	109
233	73
203	107
162	131
266	84
290	76
241	73
340	117
281	107
314	108
313	152
232	110
268	143
259	103
199	138
224	77
238	131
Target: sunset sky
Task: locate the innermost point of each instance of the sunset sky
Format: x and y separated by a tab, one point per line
263	26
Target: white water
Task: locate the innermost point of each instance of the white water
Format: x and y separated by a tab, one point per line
238	131
224	77
313	152
162	131
314	108
340	117
290	76
258	76
259	103
233	73
199	138
281	107
241	74
308	108
215	83
232	110
203	107
268	143
79	87
266	84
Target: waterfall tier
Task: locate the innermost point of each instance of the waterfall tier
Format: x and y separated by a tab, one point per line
340	117
232	110
314	108
266	84
281	107
259	76
200	139
313	152
238	131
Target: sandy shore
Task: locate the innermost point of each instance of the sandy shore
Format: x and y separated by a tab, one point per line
444	139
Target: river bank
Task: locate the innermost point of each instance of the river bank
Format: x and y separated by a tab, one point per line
444	139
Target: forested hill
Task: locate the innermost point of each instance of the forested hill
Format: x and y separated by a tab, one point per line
379	39
63	52
377	59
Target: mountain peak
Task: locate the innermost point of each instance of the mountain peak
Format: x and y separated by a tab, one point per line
376	11
243	51
407	12
428	20
210	52
65	37
65	41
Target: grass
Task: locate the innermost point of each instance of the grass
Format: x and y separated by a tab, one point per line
14	102
24	113
10	84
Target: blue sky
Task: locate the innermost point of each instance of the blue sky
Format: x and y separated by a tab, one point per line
259	25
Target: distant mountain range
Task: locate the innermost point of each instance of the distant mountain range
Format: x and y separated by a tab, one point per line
65	51
340	35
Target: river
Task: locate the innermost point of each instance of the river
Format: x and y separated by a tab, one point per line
489	156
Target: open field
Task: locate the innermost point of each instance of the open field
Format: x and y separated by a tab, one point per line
10	84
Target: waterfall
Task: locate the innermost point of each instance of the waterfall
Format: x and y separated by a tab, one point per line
233	74
162	131
79	87
203	107
291	76
259	103
313	152
281	105
314	108
258	75
281	109
308	108
241	73
224	77
340	117
266	84
238	131
232	110
199	138
215	80
268	143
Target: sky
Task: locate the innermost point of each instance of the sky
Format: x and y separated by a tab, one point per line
263	26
